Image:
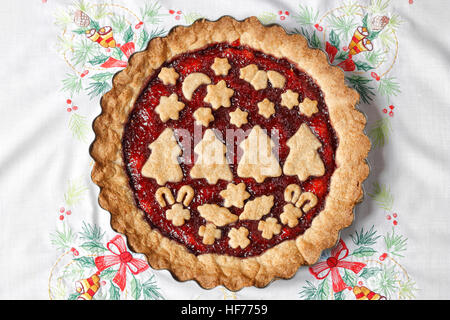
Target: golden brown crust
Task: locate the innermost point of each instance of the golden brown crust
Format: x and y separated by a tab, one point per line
210	270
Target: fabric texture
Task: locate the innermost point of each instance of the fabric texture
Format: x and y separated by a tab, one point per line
56	241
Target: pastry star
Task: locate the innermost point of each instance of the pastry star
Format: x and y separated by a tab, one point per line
266	108
235	195
238	238
209	233
203	116
177	214
289	99
219	95
238	117
168	76
169	107
220	66
269	228
308	107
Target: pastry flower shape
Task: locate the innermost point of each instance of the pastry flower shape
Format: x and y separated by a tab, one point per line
257	78
308	107
235	195
218	215
257	208
238	238
218	95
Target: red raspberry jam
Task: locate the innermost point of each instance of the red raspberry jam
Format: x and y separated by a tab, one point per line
144	126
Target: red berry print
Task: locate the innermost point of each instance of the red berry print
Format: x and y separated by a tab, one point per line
318	27
411	1
137	26
177	18
69	109
395	222
384	110
383	256
171	11
394	215
280	12
360	283
179	12
85	72
375	76
391	114
62	209
391	107
388	217
68	212
74	108
61	217
69	101
75	252
286	13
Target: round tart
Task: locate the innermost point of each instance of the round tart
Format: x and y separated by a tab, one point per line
230	153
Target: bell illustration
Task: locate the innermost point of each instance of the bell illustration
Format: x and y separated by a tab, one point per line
363	293
363	45
87	288
360	34
104	37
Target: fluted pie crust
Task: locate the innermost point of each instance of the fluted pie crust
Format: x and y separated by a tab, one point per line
210	270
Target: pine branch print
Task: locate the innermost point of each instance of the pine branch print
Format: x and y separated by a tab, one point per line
361	84
306	16
367	238
150	289
75	192
395	243
389	87
386	281
379	132
79	127
382	195
267	17
62	240
150	13
72	84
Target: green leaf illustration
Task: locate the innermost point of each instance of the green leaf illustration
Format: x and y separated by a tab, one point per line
350	278
99	59
334	39
72	84
310	292
114	292
361	65
150	290
85	262
386	281
150	13
364	252
75	192
367	272
136	288
63	240
128	35
367	238
313	39
267	17
79	126
191	17
305	15
93	247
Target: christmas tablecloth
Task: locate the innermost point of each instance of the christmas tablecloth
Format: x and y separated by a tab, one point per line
53	76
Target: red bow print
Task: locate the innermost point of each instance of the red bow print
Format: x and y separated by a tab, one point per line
127	49
322	269
123	257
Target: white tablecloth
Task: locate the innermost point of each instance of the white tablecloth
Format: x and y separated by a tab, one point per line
51	226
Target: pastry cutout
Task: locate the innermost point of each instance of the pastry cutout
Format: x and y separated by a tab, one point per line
220	216
235	195
162	164
257	78
269	228
169	107
203	116
162	195
210	233
192	82
276	79
238	238
185	195
258	161
168	76
221	66
303	159
257	208
308	107
178	214
266	108
289	99
290	215
238	117
293	194
219	95
211	162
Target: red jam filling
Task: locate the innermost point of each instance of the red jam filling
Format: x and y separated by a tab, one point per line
144	126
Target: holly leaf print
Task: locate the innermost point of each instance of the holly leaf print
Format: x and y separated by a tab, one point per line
349	278
334	40
128	35
363	252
